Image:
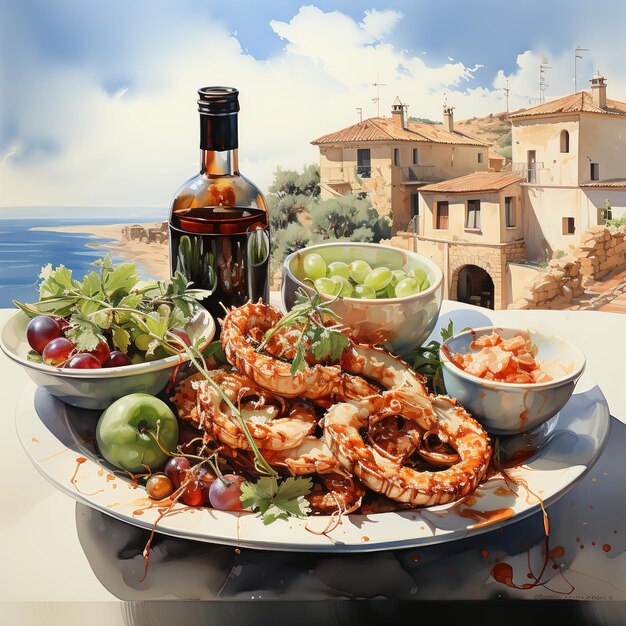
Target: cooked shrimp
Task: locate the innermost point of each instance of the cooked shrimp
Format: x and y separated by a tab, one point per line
312	456
241	326
335	493
274	423
342	425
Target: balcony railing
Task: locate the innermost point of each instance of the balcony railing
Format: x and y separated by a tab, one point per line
417	174
529	171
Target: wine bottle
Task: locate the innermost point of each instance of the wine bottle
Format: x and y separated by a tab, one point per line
218	226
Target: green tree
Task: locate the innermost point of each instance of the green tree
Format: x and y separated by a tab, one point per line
298	217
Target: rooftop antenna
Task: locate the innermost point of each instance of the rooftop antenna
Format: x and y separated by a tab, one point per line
506	94
359	111
378	85
542	78
577	56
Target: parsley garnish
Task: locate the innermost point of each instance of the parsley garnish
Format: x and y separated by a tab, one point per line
425	360
273	500
113	299
325	343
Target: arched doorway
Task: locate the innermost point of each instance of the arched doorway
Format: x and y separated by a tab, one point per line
475	286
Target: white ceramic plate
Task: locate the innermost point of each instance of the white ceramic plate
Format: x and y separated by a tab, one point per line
57	439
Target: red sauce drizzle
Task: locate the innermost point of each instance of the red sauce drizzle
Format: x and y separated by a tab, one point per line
79	461
486	518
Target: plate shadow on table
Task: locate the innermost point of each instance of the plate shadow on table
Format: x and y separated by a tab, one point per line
586	518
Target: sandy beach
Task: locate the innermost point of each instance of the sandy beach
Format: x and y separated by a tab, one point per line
153	255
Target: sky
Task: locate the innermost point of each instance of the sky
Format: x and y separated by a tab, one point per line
98	99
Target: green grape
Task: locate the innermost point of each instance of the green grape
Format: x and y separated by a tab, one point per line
397	276
418	274
344	287
358	271
378	278
142	341
365	292
338	268
407	287
381	294
425	284
314	266
164	310
326	286
391	290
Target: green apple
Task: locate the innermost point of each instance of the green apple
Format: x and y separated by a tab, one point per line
127	429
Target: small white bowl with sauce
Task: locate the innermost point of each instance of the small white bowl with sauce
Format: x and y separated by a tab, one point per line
513	408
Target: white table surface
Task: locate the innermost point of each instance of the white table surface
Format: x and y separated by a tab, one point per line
45	560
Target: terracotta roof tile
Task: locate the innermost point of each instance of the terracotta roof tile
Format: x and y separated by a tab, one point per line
614	183
580	102
471	183
383	129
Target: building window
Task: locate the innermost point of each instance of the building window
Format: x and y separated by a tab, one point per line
396	156
569	227
473	215
363	163
509	211
564	141
595	171
415	204
531	160
480	157
441	222
416	156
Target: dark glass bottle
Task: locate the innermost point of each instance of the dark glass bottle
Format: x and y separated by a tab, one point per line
219	227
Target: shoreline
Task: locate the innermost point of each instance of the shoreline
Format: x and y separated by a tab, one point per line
153	256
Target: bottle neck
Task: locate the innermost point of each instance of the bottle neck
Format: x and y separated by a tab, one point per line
219	141
219	162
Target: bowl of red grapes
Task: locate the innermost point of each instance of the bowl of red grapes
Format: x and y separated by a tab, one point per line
91	341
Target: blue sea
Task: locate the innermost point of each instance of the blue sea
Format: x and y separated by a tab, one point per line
23	251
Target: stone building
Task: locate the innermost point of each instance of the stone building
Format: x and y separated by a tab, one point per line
571	153
472	228
389	159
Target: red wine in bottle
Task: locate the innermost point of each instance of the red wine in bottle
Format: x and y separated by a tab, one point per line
219	227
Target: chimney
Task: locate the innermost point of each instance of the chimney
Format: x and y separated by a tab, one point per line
448	118
397	113
598	90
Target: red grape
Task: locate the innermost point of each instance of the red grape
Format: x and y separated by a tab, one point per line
117	359
181	334
84	361
57	351
196	493
176	470
62	322
186	434
225	494
101	351
41	330
159	486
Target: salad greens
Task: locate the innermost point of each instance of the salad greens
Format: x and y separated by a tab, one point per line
112	299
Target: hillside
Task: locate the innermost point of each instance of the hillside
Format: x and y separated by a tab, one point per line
494	128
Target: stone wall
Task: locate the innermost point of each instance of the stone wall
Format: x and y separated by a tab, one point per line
601	251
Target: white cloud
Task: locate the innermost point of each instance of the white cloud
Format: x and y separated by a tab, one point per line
134	147
380	23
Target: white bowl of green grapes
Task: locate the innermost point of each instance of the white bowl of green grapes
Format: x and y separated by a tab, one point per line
386	295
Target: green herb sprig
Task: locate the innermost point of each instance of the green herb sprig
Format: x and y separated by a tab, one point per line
425	360
309	313
273	500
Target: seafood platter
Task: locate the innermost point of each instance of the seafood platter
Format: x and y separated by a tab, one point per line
288	432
